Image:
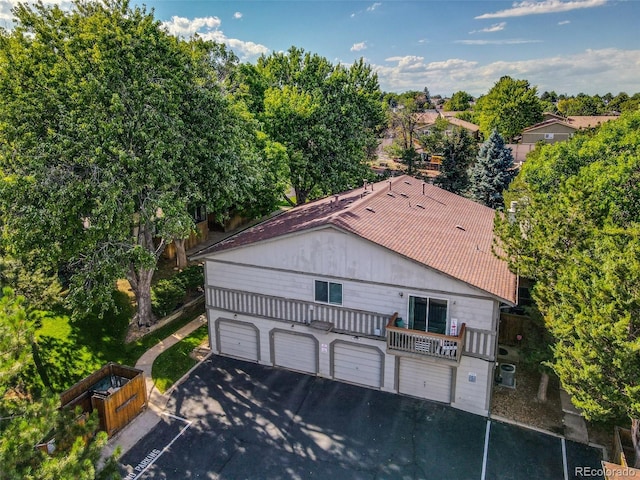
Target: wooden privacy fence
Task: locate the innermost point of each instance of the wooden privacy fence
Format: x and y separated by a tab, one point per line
117	392
510	327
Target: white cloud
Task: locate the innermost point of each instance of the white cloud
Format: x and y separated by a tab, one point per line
591	71
512	41
237	15
496	27
547	6
372	7
356	47
185	27
208	28
564	22
7	18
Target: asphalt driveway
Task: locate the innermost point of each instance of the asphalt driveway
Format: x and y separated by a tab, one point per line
238	420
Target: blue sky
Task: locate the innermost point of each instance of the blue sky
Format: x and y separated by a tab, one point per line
570	46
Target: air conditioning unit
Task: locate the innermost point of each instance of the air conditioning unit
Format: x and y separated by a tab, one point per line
507	375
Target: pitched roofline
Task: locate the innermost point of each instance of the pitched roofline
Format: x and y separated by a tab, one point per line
339	229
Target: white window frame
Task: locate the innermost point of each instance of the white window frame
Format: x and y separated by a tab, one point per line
428	298
328	301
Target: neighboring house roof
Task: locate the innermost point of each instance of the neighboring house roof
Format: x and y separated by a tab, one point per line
472	127
437	228
590	121
576	122
426	118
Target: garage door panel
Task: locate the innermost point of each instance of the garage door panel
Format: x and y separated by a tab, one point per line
422	379
357	364
238	340
295	352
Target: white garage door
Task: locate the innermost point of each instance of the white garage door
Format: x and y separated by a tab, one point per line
425	380
238	340
295	352
359	364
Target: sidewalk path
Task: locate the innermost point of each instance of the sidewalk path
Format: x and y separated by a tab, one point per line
143	423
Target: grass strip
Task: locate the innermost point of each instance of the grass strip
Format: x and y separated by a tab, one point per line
174	362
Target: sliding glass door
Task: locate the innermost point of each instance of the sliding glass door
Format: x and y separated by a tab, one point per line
428	314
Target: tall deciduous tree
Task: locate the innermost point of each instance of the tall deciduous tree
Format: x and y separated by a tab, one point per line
111	130
459	152
459	102
509	107
326	116
576	232
492	172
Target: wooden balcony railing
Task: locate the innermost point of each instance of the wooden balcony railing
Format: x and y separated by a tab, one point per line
415	342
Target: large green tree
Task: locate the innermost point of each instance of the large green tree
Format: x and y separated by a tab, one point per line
509	107
111	130
459	151
29	414
581	104
459	102
326	116
576	233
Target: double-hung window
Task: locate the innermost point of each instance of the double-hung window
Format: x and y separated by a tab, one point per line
328	292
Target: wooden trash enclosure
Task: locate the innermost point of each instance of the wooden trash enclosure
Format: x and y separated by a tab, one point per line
117	392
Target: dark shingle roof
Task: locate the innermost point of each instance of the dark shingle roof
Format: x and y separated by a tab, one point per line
431	226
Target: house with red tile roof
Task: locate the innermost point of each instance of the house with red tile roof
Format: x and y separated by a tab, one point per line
392	286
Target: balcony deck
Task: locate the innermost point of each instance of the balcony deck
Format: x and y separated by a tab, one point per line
402	341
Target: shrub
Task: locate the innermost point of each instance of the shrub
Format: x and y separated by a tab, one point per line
166	296
191	277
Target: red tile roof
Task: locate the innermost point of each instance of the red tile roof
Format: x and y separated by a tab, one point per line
437	228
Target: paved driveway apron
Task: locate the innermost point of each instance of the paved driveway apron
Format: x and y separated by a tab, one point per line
238	420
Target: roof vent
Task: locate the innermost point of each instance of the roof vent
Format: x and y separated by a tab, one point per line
371	209
460	227
404	195
391	195
408	183
419	206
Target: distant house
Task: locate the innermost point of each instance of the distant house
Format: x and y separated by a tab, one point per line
426	120
559	129
392	286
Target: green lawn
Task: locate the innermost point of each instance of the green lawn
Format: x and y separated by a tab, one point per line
68	350
175	361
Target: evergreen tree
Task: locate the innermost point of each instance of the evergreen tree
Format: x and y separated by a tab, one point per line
492	172
29	413
575	233
459	151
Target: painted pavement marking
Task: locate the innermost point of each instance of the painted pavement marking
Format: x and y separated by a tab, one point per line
155	454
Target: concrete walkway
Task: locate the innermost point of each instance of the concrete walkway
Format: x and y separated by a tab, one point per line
143	423
575	427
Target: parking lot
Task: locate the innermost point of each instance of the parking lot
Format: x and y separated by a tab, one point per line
237	420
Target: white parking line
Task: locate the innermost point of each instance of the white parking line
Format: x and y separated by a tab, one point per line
486	451
151	459
564	459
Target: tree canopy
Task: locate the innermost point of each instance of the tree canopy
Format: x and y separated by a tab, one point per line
576	233
459	102
111	131
509	107
326	116
459	151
